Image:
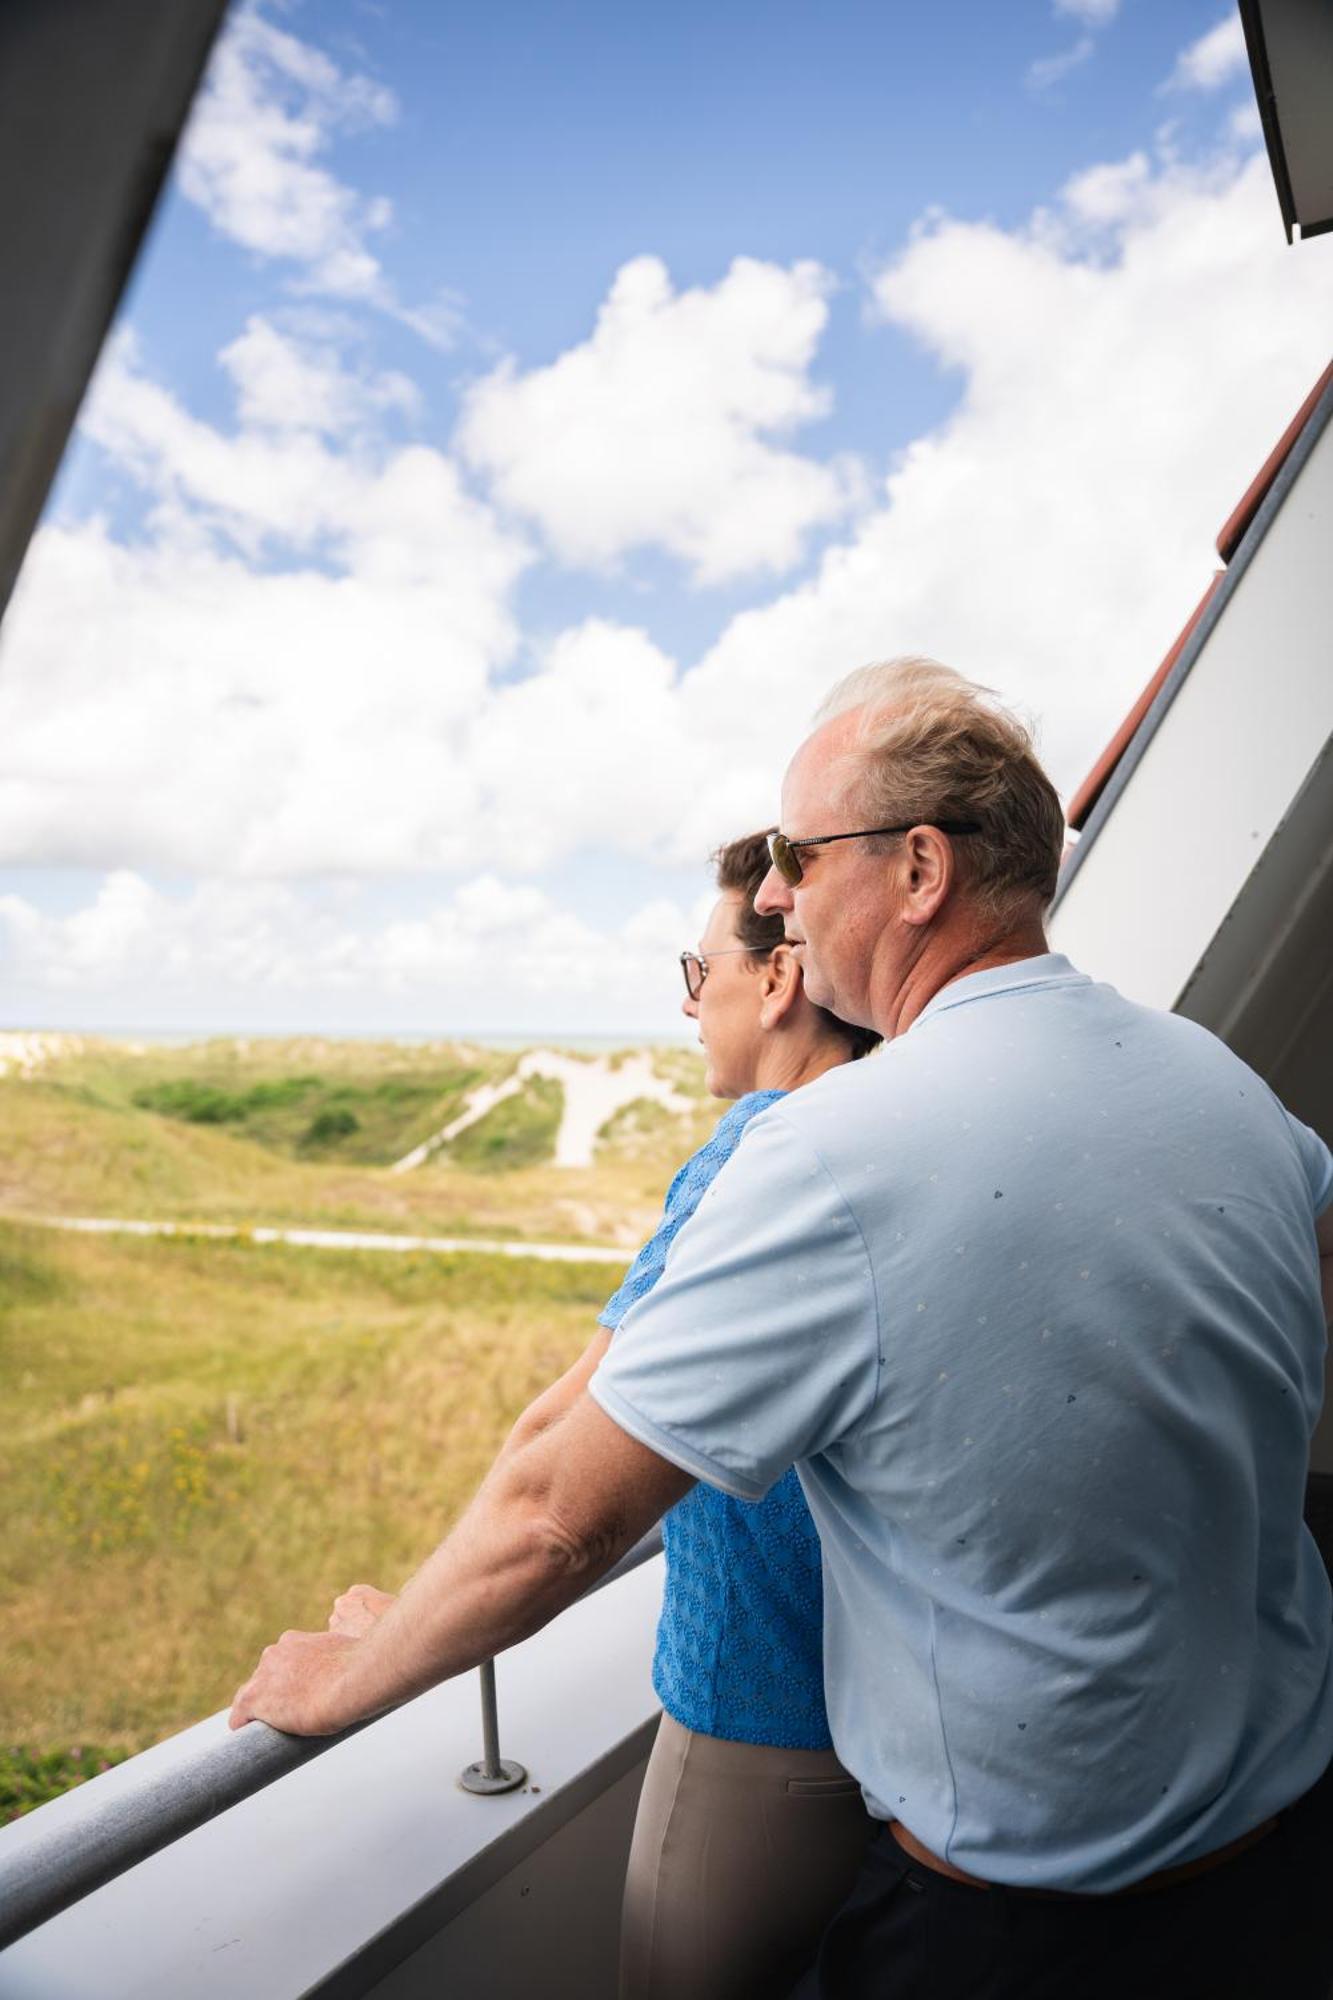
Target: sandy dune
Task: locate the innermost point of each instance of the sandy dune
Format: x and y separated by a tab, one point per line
25	1052
594	1091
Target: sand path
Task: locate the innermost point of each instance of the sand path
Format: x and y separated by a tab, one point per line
327	1239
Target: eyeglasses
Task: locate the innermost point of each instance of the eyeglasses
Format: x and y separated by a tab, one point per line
782	851
695	968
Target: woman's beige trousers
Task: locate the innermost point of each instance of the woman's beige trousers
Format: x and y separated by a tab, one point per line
741	1854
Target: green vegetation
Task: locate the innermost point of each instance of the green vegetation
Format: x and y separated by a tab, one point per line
29	1778
205	1104
25	1278
207	1439
385	1116
335	1122
639	1125
520	1132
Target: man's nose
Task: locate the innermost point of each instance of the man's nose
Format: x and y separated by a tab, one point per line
773	895
690	1008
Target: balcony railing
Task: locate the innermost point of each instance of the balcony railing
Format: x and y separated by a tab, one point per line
47	1873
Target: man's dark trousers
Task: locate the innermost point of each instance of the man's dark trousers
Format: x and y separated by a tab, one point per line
1256	1927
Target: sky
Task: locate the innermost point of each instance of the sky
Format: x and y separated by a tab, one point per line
521	416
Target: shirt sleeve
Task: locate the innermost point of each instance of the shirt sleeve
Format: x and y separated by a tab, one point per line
759	1345
1316	1160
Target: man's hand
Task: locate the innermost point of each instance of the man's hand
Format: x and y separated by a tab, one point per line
301	1685
359	1609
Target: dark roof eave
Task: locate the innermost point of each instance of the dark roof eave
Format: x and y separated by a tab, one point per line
1256	49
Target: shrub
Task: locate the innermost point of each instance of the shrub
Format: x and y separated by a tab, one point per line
331	1125
196	1103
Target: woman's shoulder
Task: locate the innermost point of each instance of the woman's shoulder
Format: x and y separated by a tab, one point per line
734	1121
717	1149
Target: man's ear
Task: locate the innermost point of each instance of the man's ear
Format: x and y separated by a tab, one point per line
929	872
780	986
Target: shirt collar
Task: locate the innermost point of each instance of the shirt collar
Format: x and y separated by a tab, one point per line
1049	968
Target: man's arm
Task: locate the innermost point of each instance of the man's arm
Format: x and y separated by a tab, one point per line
1323	1230
565	1499
361	1604
557	1401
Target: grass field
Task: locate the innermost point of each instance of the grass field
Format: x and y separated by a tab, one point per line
206	1440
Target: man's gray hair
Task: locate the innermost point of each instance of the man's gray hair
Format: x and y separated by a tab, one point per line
930	746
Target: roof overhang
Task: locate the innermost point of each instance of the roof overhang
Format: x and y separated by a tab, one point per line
1290	46
93	95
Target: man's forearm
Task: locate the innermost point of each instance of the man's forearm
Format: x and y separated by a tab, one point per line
556	1401
553	1515
501	1574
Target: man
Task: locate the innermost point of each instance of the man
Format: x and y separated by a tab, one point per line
1034	1302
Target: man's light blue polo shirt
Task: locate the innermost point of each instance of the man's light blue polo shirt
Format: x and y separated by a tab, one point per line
1032	1300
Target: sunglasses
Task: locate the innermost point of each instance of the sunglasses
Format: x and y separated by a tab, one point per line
782	851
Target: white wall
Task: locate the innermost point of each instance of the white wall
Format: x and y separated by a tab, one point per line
1218	775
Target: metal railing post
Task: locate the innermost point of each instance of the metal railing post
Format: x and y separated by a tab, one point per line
499	1774
494	1773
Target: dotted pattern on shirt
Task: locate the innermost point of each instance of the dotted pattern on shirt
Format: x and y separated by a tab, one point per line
740	1642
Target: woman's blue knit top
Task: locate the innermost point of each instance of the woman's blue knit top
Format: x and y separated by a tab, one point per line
740	1643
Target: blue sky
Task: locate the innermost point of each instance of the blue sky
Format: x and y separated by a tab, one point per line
520	416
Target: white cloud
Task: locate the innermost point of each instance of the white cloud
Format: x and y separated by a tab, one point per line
1092	16
1109	193
97	941
273	481
254	159
287	383
250	158
492	954
1047	71
1244	125
599	729
1121	380
299	668
439	321
1214	59
274	677
657	430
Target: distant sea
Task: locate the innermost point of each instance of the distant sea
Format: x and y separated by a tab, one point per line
535	1039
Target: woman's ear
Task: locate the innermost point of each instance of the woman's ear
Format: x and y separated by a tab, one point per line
780	986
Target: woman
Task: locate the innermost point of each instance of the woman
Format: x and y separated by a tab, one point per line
749	1830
